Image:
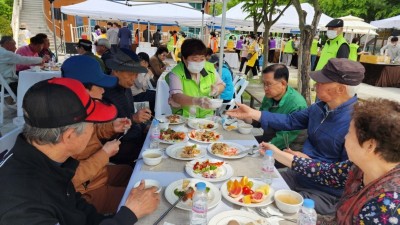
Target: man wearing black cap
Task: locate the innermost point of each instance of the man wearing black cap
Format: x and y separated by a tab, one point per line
126	66
39	168
327	122
84	47
336	46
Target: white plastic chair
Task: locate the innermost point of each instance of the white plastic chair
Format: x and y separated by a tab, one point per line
162	94
239	88
5	87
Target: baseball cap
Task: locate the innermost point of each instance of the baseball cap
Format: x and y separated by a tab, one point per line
88	71
214	59
103	42
60	102
84	43
335	23
125	60
340	70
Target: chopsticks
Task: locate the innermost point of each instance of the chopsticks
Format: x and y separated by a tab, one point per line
168	210
286	140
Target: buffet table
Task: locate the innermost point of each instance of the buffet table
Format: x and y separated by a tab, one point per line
382	75
170	170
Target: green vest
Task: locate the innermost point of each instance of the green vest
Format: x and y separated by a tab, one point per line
330	51
288	47
353	52
314	47
191	88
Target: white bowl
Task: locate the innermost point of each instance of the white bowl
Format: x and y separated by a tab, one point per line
35	68
148	183
245	128
283	200
152	157
163	125
216	103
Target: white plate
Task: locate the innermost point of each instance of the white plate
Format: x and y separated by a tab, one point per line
175	150
204	142
241	148
176	141
214	195
196	123
256	183
243	217
181	119
226	170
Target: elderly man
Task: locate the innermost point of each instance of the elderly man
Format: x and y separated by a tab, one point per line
31	50
84	47
125	36
126	66
336	46
279	98
9	60
392	49
39	168
103	47
327	122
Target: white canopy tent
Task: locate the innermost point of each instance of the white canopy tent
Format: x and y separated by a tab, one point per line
353	24
392	22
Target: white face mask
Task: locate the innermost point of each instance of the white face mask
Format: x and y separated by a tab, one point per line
196	67
331	34
394	44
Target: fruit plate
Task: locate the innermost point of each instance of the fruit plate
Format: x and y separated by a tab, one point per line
224	172
202	124
196	134
267	199
241	216
238	147
174	151
178	119
214	195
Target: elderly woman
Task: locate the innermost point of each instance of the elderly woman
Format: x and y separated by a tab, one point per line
371	176
193	81
157	63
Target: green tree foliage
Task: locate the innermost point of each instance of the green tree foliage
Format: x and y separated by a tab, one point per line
5	17
5	29
369	10
218	6
5	10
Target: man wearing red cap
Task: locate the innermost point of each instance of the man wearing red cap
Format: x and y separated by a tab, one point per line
59	116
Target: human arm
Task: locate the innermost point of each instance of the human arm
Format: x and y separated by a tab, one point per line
383	49
142	115
29	213
344	51
13	58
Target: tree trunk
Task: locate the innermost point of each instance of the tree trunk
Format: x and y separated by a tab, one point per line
266	46
304	63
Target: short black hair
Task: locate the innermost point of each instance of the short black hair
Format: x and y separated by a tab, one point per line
394	39
252	36
209	51
109	23
103	30
280	71
6	39
161	49
35	40
212	33
193	46
116	24
355	40
144	56
96	27
41	35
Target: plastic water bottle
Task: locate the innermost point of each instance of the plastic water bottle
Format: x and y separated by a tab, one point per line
307	214
268	165
155	135
199	207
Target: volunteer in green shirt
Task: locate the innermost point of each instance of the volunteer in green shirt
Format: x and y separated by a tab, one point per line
288	51
314	52
279	98
336	46
193	81
355	49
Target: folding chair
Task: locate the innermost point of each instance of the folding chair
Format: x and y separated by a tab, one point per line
3	95
239	88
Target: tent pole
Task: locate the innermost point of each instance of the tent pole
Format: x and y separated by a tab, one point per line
62	34
148	31
202	21
138	27
54	29
366	40
222	39
281	52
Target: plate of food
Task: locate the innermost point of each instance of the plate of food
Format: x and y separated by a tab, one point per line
186	188
170	136
227	150
205	136
186	151
211	170
237	217
203	124
173	119
247	192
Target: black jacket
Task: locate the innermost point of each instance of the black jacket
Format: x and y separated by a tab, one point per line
36	190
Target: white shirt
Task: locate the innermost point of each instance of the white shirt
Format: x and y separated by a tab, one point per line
8	61
392	51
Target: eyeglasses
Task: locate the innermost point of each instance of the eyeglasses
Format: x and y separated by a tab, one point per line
266	86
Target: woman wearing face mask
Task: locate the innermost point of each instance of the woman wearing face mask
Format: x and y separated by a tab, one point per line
252	55
193	81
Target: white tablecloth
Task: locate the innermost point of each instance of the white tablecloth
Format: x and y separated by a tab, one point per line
149	50
27	79
232	59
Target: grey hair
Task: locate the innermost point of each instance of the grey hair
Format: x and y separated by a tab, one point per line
44	136
351	90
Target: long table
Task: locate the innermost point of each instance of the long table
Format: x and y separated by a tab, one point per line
171	170
382	75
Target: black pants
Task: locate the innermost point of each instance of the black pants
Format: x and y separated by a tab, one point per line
238	53
242	62
253	70
149	96
271	55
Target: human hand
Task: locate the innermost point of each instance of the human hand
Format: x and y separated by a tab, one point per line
296	153
202	102
214	90
142	115
121	124
243	111
264	146
143	201
111	147
45	58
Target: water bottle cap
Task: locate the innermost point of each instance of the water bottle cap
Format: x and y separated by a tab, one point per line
201	186
269	153
308	203
155	122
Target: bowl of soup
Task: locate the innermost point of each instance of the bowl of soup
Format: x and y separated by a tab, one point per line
288	201
152	157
